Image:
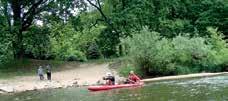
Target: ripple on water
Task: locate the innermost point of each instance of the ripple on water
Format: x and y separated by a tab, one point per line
221	81
197	89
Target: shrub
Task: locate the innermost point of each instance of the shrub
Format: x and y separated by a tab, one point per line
36	42
151	52
216	39
191	52
6	53
125	70
220	53
182	70
6	47
75	56
69	44
156	55
93	51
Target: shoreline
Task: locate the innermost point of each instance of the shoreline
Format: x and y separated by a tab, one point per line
87	74
84	74
195	75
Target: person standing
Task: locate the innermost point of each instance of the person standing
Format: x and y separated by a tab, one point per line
40	73
48	71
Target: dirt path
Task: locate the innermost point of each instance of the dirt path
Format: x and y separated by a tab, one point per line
84	74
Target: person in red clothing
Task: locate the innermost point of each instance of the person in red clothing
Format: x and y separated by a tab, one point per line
133	78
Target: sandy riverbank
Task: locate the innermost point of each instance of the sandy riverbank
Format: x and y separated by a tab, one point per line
84	74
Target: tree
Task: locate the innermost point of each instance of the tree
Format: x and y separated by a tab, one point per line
21	14
110	37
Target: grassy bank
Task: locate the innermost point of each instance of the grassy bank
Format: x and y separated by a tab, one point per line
26	67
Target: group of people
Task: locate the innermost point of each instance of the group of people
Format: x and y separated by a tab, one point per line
132	78
110	79
40	72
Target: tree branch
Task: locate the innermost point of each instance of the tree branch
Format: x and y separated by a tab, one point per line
32	8
5	10
100	10
103	15
98	2
30	14
94	24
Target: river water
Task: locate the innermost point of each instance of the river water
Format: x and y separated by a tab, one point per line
199	89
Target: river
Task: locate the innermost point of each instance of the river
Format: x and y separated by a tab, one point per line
198	89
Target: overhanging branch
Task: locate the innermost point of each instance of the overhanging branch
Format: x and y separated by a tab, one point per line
32	11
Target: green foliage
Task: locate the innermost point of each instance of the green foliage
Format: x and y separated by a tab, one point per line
194	53
93	51
216	39
219	46
151	52
6	51
169	18
125	70
37	42
157	55
24	67
183	70
16	68
172	28
74	55
68	44
189	49
74	31
107	41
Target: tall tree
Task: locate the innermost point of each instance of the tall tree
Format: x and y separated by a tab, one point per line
21	14
110	37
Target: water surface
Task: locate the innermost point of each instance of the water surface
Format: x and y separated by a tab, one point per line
200	89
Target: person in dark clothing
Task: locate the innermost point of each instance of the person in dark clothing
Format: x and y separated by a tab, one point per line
110	79
48	71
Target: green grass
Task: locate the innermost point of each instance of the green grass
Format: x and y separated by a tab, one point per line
105	60
25	67
28	67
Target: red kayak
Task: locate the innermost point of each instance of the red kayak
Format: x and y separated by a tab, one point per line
107	87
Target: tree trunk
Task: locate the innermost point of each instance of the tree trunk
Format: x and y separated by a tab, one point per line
18	44
17	29
20	53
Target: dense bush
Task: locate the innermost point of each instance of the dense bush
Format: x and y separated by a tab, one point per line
93	51
126	68
191	52
69	44
151	52
157	55
37	43
6	53
6	48
78	23
75	56
168	17
217	40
